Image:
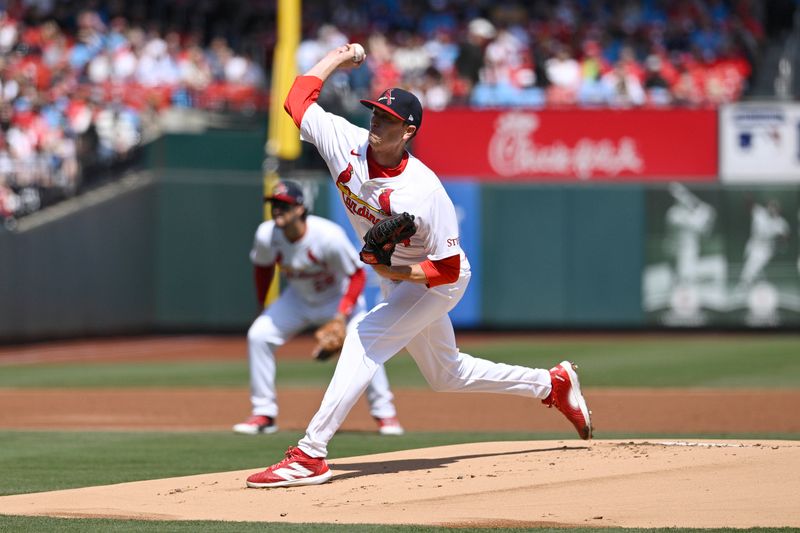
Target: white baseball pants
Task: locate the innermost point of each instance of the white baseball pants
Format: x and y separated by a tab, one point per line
414	317
285	318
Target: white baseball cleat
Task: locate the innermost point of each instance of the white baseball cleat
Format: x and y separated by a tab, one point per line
255	425
566	397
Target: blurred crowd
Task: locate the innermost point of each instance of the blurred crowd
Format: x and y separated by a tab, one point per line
79	87
549	53
80	80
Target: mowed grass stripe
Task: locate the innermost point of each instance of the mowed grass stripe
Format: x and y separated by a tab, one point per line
753	361
40	461
35	461
21	524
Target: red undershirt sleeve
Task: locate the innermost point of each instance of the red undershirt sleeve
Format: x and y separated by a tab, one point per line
304	92
441	271
357	282
262	275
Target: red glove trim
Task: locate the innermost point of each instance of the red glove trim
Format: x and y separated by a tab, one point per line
357	282
442	271
304	92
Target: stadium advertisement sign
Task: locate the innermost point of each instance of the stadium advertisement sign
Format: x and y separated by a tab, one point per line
571	145
760	143
722	257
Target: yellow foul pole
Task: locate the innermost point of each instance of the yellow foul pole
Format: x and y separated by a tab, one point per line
283	139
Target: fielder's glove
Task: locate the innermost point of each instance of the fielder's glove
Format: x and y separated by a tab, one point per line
330	338
381	239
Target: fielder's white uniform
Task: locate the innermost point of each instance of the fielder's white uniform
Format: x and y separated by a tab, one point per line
412	316
317	269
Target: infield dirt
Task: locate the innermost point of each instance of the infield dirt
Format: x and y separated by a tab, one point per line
536	483
698	411
554	483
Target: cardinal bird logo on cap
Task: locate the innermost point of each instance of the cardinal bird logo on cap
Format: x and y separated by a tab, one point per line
387	95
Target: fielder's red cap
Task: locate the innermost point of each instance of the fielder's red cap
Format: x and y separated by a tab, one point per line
286	191
399	103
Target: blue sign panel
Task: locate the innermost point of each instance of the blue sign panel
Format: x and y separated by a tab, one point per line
466	198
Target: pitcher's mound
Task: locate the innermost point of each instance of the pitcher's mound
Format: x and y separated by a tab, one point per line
659	483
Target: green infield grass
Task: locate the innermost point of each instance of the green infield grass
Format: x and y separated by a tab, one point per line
20	524
639	361
36	461
33	461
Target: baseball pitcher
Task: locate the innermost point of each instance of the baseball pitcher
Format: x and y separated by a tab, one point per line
411	240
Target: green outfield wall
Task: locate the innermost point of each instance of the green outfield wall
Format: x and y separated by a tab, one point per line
205	231
558	256
222	150
82	272
164	250
167	251
170	254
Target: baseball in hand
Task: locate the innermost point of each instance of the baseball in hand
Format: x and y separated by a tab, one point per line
358	53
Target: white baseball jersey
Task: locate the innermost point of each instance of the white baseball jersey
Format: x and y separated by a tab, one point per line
317	267
416	190
412	315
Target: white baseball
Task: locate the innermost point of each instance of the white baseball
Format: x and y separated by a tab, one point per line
358	53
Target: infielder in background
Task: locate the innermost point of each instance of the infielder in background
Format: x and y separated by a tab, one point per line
377	179
325	281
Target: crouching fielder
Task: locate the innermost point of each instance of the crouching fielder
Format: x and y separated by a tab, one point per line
324	280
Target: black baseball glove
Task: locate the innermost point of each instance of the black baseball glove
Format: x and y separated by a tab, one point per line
381	239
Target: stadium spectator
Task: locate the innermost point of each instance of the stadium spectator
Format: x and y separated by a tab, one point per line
74	93
656	86
564	73
78	80
623	86
469	61
380	62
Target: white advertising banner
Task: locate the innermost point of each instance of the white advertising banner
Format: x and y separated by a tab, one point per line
760	143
